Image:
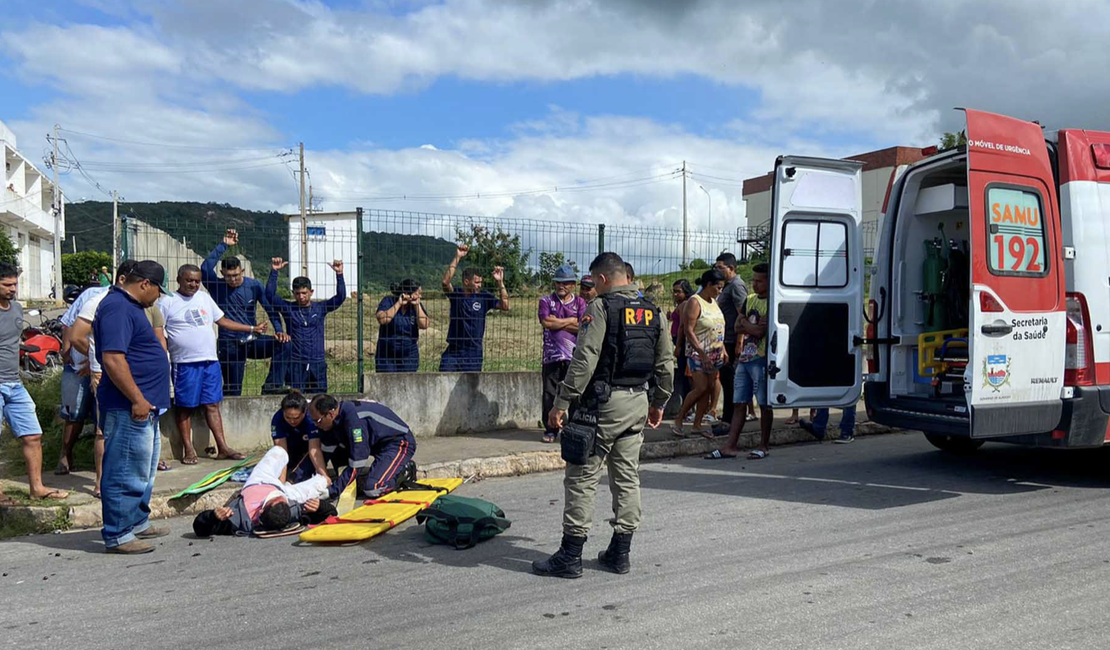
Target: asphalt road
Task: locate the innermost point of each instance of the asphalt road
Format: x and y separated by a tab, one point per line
882	544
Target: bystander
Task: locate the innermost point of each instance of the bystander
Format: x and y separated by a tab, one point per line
400	317
559	314
467	330
304	320
731	301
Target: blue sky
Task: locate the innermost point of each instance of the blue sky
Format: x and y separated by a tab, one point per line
510	95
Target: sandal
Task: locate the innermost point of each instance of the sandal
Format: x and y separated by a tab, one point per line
6	501
717	454
705	433
62	469
52	494
549	437
163	466
678	431
757	454
231	455
190	460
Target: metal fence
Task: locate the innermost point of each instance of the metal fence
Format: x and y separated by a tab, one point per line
383	248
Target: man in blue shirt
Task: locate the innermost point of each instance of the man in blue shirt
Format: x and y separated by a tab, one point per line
133	392
355	430
467	330
238	297
304	320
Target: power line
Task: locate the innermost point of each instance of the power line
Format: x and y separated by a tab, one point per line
554	189
99	164
194	171
166	144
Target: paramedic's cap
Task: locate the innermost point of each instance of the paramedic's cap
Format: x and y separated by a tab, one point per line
150	270
565	273
587	281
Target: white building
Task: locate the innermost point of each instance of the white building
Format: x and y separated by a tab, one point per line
331	236
25	215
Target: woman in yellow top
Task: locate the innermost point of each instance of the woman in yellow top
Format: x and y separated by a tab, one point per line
703	327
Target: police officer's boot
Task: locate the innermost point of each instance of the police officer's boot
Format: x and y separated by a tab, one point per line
615	558
566	562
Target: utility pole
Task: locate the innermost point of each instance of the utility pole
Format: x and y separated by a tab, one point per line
58	208
115	230
709	226
684	235
304	222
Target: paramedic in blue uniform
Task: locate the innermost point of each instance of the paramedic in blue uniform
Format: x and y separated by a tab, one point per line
294	431
355	430
238	297
304	319
467	330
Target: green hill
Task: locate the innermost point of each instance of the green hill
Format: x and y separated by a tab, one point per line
387	257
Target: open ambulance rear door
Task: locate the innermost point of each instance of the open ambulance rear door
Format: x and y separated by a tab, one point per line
815	309
1015	374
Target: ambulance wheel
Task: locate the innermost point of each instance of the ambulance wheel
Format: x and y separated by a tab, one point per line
953	444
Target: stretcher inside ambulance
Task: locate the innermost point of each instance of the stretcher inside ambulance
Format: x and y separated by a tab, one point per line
989	297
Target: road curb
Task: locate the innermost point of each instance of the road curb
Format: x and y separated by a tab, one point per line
88	515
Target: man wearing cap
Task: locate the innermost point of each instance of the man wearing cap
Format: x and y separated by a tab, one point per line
559	315
586	288
133	392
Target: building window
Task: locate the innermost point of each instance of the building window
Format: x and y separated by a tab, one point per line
317	232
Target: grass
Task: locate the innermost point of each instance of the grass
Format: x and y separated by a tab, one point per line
18	525
47	394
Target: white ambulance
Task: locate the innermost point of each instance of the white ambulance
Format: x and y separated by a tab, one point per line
989	306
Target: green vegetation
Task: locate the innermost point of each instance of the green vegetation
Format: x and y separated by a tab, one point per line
490	248
8	252
81	268
952	140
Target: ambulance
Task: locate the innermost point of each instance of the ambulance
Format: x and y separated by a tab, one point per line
988	310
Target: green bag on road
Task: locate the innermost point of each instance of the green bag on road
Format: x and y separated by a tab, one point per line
462	522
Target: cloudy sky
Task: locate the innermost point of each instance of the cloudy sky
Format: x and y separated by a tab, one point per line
423	105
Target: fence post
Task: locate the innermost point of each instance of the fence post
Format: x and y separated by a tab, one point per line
358	289
600	238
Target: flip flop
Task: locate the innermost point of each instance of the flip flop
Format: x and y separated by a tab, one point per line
6	500
716	454
705	433
549	437
678	431
190	460
163	466
238	455
757	454
52	494
62	469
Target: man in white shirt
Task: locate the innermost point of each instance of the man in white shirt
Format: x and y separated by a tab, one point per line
197	381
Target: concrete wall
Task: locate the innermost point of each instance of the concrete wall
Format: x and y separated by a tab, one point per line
433	404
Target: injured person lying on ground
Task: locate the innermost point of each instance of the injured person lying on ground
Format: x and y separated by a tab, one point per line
268	505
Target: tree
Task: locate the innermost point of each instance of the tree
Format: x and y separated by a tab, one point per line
80	268
952	140
549	263
698	264
8	252
490	248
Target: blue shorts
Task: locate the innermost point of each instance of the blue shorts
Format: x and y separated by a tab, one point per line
19	410
751	379
197	383
78	402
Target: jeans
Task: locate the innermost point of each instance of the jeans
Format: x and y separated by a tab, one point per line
131	450
847	420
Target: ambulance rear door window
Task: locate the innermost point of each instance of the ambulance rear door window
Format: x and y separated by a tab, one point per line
1015	231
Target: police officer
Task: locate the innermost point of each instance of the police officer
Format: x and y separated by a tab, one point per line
622	349
355	430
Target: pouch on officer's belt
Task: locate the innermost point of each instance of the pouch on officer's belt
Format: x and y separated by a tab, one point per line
579	435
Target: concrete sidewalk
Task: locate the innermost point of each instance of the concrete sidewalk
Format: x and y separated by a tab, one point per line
496	453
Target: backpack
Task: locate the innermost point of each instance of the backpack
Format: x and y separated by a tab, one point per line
461	522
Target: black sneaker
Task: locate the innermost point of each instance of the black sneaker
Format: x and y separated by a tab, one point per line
844	439
811	430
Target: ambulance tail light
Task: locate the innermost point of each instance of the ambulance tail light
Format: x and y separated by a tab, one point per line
1079	359
1102	155
988	303
870	333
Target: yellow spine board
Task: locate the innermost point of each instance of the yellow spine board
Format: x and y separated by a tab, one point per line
375	519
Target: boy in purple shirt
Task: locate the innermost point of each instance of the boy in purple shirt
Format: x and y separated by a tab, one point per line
559	314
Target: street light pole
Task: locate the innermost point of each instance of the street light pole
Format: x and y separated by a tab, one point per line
709	227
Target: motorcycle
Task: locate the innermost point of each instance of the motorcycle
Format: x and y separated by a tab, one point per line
40	351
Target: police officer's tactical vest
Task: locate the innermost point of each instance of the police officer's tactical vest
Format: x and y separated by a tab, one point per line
631	333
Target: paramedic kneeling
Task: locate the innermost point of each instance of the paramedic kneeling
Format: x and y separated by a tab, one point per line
355	430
